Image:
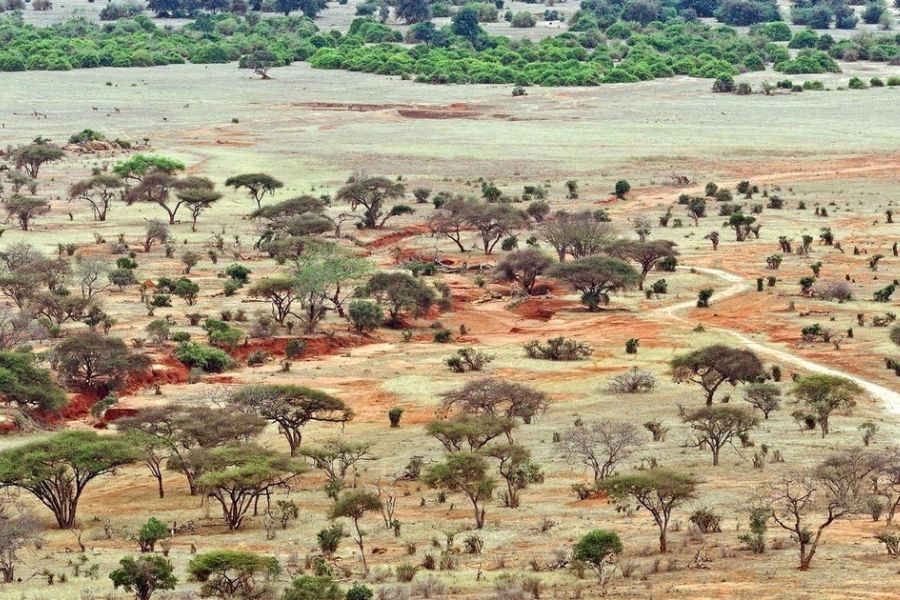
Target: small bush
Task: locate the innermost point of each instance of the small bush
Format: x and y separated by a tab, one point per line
468	359
406	572
633	381
365	316
558	348
206	358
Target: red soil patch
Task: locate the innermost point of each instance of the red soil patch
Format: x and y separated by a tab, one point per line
540	309
315	346
393	238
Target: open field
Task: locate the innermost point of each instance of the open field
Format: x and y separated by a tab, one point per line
838	149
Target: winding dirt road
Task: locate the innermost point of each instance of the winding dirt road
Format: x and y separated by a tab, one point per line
738	286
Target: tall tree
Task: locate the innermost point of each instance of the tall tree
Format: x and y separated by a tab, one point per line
596	277
494	222
716	426
826	394
657	490
291	407
25	209
400	291
197	194
644	254
353	505
714	365
466	473
32	157
322	280
578	234
522	267
96	361
136	167
25	384
144	575
233	573
601	445
98	191
256	184
496	397
56	470
190	432
413	11
238	475
372	195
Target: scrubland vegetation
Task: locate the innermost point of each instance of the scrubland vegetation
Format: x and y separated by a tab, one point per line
227	372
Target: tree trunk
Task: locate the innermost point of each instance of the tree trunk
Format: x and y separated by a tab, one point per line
663	547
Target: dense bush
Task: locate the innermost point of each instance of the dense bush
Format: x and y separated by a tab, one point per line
206	358
655	44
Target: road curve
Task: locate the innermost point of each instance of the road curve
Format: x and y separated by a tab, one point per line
890	398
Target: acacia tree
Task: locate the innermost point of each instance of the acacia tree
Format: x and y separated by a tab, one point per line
279	291
578	234
154	452
156	187
354	505
25	209
472	431
495	221
188	433
96	361
372	194
28	386
256	184
498	398
599	549
601	445
238	475
833	487
450	220
763	396
658	490
232	573
596	277
155	232
144	575
714	365
826	394
291	407
32	157
517	470
335	458
321	281
522	267
644	254
400	291
197	194
716	426
136	167
56	470
98	191
466	473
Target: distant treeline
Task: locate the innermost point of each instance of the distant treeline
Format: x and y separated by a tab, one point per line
460	52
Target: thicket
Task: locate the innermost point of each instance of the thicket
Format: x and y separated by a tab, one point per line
620	53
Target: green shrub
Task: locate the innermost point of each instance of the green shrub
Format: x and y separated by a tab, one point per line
206	358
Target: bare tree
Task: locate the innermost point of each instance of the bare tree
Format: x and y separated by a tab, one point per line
19	528
601	445
833	488
716	426
577	234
